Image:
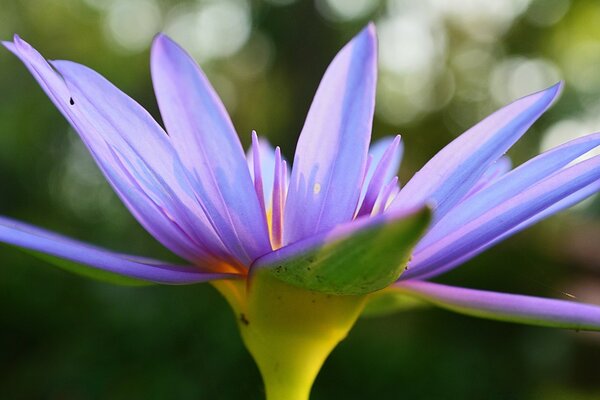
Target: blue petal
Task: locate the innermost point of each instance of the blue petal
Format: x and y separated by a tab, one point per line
206	141
448	176
506	307
512	203
330	160
123	130
36	239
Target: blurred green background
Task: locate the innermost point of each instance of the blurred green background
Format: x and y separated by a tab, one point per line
443	66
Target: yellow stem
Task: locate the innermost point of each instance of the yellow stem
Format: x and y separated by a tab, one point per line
289	331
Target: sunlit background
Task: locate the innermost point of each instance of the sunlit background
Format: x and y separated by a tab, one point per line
443	66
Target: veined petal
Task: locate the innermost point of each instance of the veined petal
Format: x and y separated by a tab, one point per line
448	176
506	307
207	143
509	216
459	259
149	160
106	263
510	185
358	257
331	154
158	212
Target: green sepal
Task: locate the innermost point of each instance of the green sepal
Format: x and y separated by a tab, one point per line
367	260
87	271
389	301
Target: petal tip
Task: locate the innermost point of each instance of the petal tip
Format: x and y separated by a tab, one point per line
370	29
8	44
162	42
368	36
20	43
554	91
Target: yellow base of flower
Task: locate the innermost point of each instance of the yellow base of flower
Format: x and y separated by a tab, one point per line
289	331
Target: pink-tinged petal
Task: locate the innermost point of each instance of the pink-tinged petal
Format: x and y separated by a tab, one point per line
383	168
385	196
331	154
38	240
278	197
257	176
476	225
506	307
376	153
207	143
354	258
448	176
159	212
266	154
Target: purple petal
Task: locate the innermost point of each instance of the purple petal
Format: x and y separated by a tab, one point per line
153	205
331	154
510	185
206	141
563	204
506	307
476	224
448	176
150	161
383	168
39	240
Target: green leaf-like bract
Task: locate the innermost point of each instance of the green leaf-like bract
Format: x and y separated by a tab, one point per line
87	271
362	262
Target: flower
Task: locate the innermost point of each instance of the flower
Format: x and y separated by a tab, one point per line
299	255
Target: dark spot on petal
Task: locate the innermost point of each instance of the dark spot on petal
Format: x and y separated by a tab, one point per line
244	319
71	101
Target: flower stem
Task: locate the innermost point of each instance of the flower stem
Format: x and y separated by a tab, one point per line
289	331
